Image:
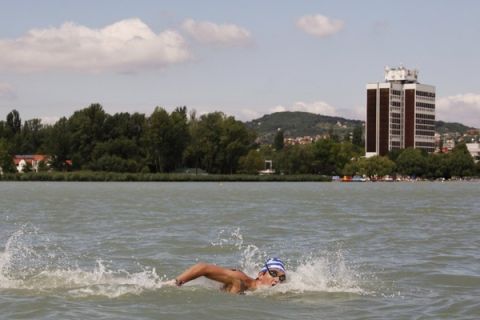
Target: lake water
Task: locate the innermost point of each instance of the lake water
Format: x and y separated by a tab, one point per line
353	251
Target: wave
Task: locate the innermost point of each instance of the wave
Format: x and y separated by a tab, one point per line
40	268
31	262
325	271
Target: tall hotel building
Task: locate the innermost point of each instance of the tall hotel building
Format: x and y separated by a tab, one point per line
400	113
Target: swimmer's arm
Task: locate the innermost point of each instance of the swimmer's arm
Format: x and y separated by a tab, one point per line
211	271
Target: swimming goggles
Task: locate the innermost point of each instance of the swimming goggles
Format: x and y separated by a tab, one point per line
275	274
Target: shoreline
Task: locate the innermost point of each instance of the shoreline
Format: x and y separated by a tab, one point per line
100	176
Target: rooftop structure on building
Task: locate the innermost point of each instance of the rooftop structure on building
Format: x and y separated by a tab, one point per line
400	113
401	75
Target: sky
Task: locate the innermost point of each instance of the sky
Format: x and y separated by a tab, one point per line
245	58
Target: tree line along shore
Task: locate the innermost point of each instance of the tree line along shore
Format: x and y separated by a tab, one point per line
92	145
102	176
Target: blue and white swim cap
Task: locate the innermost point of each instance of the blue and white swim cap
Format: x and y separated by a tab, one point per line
274	263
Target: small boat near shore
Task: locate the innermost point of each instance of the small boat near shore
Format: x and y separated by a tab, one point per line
349	179
359	179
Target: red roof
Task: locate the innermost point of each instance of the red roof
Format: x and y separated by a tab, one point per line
29	158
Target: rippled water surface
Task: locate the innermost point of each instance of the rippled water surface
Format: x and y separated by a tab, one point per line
353	251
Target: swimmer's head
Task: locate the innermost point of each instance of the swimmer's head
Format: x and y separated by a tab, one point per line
275	269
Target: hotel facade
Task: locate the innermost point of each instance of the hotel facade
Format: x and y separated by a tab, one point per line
400	113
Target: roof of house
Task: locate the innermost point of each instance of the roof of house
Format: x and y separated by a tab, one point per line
29	158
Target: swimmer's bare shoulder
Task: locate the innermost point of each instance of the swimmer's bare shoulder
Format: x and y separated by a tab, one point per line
234	281
240	282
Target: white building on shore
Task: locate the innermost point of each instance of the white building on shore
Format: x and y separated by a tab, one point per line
400	113
474	149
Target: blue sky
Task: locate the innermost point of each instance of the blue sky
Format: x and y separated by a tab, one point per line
245	58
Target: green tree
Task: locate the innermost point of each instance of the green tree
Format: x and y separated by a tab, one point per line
357	136
412	162
372	167
438	166
13	127
218	142
330	157
58	144
193	151
123	148
114	163
324	161
461	161
167	137
180	137
354	167
14	123
210	133
394	154
117	155
297	159
6	158
124	125
278	141
378	166
251	163
157	135
343	153
87	129
3	129
266	151
235	142
32	136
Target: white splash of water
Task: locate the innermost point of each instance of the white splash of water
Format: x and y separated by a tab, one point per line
250	254
323	272
326	273
234	239
101	281
5	262
23	268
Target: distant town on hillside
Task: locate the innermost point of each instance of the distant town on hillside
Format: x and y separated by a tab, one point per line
301	126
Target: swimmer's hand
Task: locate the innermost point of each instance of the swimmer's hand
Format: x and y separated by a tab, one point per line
171	283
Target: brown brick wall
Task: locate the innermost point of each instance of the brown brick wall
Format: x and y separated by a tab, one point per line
384	121
371	130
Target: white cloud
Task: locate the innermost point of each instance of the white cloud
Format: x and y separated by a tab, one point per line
318	107
7	91
319	25
463	108
212	33
354	113
248	114
279	108
125	46
50	120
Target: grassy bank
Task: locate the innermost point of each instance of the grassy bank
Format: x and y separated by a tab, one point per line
115	176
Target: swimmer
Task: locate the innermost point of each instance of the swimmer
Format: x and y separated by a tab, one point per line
235	281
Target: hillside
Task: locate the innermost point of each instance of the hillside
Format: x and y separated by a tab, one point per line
297	124
450	127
